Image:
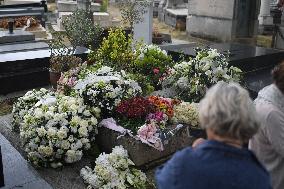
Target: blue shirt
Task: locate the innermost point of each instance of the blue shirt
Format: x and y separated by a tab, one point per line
213	165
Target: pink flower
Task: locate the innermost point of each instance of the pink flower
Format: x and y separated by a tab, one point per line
71	82
147	131
156	70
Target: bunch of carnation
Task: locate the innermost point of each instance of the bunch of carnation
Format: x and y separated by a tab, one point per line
57	130
25	103
114	171
193	78
106	89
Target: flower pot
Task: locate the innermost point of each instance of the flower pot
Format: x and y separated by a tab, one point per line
53	78
158	40
141	154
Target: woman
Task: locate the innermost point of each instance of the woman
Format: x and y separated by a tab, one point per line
229	117
268	143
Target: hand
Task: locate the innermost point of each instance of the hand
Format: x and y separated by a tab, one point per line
197	142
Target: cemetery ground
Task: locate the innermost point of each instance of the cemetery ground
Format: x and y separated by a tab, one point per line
69	176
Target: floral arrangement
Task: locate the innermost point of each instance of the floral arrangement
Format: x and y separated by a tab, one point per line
165	105
114	170
57	130
186	113
106	89
69	79
25	103
134	112
153	63
192	78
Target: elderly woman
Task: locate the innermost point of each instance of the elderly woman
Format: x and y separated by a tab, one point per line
228	115
268	142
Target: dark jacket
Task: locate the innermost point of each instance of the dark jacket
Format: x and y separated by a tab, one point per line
213	165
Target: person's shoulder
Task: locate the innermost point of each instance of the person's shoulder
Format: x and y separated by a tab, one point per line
183	154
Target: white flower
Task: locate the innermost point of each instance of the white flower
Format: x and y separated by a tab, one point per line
83	131
73	156
46	151
65	144
41	131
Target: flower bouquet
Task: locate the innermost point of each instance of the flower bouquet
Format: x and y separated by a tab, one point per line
191	79
106	88
57	130
25	103
146	126
153	63
114	170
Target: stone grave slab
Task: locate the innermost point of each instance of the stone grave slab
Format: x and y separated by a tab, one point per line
17	172
143	155
66	6
176	18
95	7
102	18
16	36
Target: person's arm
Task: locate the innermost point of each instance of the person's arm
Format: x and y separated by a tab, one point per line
275	131
168	174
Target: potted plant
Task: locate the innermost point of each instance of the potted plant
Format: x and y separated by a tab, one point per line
79	31
157	37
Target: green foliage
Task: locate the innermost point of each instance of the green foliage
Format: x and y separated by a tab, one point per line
153	63
80	29
132	11
116	51
104	6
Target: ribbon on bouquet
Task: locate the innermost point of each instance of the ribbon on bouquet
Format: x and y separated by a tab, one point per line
154	141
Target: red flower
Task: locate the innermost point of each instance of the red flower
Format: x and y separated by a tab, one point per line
156	70
137	107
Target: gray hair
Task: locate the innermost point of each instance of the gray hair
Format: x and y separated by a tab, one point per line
229	112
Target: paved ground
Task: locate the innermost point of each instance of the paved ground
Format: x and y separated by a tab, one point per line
17	172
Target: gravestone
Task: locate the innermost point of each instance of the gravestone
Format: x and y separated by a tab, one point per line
143	30
161	15
223	20
155	8
66	6
265	18
16	36
102	18
176	13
